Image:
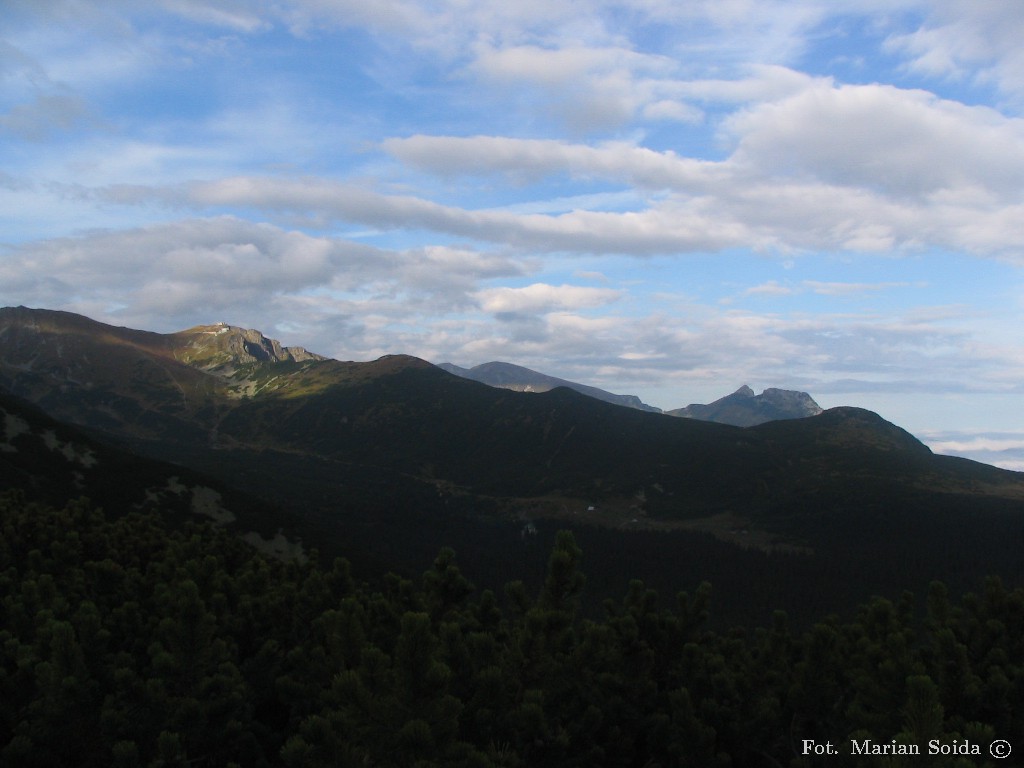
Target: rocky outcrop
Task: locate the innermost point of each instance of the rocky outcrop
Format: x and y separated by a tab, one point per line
223	348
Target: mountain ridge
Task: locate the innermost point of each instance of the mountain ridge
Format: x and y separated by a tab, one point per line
386	461
205	389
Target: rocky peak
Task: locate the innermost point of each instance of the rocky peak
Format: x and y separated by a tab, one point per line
791	401
222	348
745	409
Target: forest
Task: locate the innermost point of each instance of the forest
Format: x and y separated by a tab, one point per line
126	640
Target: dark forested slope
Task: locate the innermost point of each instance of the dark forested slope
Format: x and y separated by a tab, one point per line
131	642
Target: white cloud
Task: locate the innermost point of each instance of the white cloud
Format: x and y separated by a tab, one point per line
788	216
973	41
671	227
881	138
675	111
978	443
560	67
170	271
236	15
615	161
848	289
169	276
590	88
762	82
754	200
1000	449
860	168
771	288
277	254
540	298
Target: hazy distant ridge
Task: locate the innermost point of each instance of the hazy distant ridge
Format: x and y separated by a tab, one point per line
520	379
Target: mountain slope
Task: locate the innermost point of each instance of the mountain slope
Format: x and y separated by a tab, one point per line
745	409
145	385
52	462
196	396
386	461
520	379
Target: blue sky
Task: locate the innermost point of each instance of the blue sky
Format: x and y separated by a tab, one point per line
658	198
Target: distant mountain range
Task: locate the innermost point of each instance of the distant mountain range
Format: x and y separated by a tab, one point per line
741	409
520	379
386	461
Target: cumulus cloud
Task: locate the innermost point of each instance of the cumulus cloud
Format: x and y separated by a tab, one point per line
878	137
824	196
590	88
164	273
170	276
223	254
860	168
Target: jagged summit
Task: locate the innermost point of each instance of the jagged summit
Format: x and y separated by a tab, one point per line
745	409
72	350
222	348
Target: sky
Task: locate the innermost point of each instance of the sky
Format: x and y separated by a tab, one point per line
661	198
